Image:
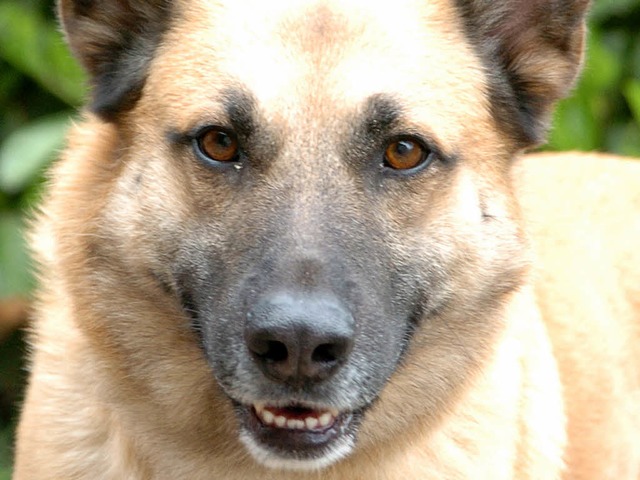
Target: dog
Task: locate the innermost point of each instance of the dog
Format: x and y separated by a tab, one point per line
300	240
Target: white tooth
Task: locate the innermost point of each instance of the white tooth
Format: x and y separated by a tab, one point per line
258	406
267	416
334	412
295	424
311	422
280	421
325	419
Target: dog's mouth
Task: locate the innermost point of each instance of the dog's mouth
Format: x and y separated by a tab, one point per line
296	436
297	418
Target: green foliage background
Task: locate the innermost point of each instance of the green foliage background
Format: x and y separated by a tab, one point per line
41	86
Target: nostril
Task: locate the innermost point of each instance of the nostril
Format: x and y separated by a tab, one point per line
325	353
275	352
268	349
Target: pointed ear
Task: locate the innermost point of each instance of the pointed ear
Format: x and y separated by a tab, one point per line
533	50
114	40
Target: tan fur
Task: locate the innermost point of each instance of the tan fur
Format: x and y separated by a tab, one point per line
555	390
588	288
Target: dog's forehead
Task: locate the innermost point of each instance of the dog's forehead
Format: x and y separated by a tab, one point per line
298	56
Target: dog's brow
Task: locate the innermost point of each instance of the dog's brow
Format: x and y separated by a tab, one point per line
240	107
381	113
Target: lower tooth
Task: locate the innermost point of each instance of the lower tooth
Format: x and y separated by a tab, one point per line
268	417
311	423
325	419
295	424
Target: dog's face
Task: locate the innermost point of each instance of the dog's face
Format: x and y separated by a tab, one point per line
316	195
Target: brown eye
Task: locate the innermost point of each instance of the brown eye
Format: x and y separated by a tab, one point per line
405	154
218	145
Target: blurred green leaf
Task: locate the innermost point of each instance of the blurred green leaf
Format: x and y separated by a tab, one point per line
27	150
5	453
15	273
9	80
623	139
602	9
574	127
603	68
35	47
632	95
634	58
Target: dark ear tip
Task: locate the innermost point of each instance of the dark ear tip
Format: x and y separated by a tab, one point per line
534	50
67	10
77	7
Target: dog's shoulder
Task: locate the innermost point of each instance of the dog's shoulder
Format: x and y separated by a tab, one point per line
584	201
582	216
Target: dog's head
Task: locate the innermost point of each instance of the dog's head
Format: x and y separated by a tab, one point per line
313	197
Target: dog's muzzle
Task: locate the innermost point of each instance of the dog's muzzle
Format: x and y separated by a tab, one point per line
298	340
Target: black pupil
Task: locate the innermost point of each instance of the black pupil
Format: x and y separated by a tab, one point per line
224	140
404	147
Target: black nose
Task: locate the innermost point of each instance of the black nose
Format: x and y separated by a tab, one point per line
297	338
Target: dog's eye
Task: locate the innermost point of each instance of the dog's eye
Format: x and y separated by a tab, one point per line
219	145
405	154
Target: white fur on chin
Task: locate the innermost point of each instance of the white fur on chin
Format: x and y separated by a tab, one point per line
342	447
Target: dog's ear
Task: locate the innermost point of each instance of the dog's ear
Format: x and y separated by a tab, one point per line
533	50
114	41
